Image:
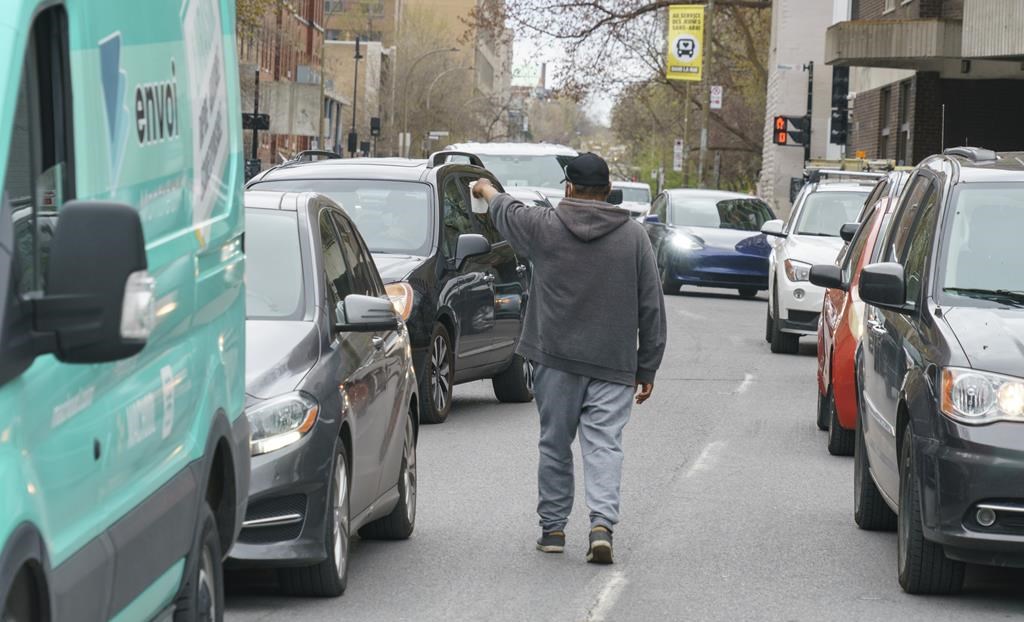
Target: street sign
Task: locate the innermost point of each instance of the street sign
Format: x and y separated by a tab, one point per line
685	42
716	97
677	155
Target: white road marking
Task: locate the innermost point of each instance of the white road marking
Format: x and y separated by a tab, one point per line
689	314
748	379
706	459
607	597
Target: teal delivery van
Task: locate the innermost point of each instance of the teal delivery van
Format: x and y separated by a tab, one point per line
124	451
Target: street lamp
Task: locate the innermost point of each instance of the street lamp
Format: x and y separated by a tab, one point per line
430	89
405	111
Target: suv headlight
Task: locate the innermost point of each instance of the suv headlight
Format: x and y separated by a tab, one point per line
684	242
977	397
281	421
401	296
797	270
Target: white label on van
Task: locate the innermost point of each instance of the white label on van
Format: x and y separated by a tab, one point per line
141	419
72	406
167	382
204	51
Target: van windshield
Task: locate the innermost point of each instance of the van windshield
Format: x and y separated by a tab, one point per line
825	213
392	216
542	171
273	265
985	251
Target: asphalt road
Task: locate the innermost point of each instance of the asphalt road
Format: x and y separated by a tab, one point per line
732	510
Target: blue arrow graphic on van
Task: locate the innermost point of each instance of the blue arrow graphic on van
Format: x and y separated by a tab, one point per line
113	79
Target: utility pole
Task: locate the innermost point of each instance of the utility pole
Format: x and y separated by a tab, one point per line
810	108
705	100
353	139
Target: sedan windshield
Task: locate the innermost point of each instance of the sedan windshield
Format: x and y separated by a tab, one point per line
741	214
273	265
392	216
542	171
824	213
985	252
636	195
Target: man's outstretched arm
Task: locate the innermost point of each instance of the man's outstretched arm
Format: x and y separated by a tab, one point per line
516	222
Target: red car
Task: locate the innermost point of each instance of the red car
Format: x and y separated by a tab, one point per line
841	325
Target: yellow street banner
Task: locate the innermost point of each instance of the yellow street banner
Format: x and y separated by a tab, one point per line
685	42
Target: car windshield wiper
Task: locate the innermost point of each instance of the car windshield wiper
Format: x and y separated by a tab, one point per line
1006	295
820	235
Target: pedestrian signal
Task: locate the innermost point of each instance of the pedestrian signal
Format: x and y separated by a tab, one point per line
791	131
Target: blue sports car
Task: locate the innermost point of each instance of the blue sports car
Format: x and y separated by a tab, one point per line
710	238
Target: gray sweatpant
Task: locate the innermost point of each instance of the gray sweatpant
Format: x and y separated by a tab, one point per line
599	410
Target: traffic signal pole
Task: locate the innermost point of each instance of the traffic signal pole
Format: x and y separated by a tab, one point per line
705	101
810	108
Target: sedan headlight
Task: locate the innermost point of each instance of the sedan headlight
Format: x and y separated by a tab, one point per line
280	422
797	270
977	397
684	242
400	295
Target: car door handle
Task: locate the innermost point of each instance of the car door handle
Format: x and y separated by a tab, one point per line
378	343
488	278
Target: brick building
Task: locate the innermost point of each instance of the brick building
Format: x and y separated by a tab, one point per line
929	74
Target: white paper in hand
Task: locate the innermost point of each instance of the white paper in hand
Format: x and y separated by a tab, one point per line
479	206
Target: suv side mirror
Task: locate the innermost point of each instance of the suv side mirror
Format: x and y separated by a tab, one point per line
848	230
827	275
615	196
366	314
99	302
470	245
884	285
773	227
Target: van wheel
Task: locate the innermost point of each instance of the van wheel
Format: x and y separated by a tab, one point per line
438	377
203	599
923	565
515	384
782	343
840	441
23	602
330	577
400	523
870	511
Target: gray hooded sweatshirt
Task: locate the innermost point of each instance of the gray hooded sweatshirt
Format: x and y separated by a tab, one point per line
596	308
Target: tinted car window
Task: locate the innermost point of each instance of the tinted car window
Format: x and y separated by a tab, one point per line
339	277
984	239
358	263
904	220
392	216
741	214
824	213
916	256
455	219
273	265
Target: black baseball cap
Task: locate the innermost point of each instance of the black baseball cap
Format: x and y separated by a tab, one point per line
588	169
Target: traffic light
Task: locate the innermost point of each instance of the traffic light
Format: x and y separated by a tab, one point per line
791	131
840	105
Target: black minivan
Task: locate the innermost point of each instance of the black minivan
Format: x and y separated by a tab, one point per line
940	372
456	282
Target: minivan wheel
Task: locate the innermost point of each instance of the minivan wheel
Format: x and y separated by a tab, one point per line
438	377
203	598
782	343
400	523
923	565
870	511
840	441
328	578
515	384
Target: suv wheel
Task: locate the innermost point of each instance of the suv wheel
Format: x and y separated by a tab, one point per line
438	375
515	384
923	566
782	343
870	511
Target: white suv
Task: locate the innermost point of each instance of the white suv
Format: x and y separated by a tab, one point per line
811	236
534	165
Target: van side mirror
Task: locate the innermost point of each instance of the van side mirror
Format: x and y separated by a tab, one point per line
366	314
848	230
884	285
827	275
774	228
615	196
99	303
470	245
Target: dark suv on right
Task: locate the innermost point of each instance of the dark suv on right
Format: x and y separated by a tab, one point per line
939	452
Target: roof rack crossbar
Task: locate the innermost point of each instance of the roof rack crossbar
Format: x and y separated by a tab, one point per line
974	154
441	157
309	154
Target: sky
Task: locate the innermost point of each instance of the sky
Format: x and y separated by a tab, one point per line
528	54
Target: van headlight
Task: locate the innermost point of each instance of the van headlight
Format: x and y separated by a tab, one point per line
977	397
281	421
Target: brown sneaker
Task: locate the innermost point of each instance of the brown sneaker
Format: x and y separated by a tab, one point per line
600	551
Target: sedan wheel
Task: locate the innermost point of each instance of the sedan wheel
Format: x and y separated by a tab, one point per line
409	472
399	524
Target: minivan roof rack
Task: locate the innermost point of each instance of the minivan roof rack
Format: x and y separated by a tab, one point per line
440	157
974	154
817	175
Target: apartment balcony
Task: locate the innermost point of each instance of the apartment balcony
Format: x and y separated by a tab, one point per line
920	44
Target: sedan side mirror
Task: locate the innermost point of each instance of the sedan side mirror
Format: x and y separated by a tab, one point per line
366	314
884	285
827	275
615	196
470	245
773	227
848	230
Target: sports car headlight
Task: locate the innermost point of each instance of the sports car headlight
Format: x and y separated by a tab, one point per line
684	242
280	422
797	270
977	397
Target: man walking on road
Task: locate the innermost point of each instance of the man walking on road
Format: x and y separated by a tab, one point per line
595	333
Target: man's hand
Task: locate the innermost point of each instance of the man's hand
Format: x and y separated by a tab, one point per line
643	391
484	189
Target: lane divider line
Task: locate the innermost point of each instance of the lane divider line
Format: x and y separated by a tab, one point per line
599	611
707	458
748	379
